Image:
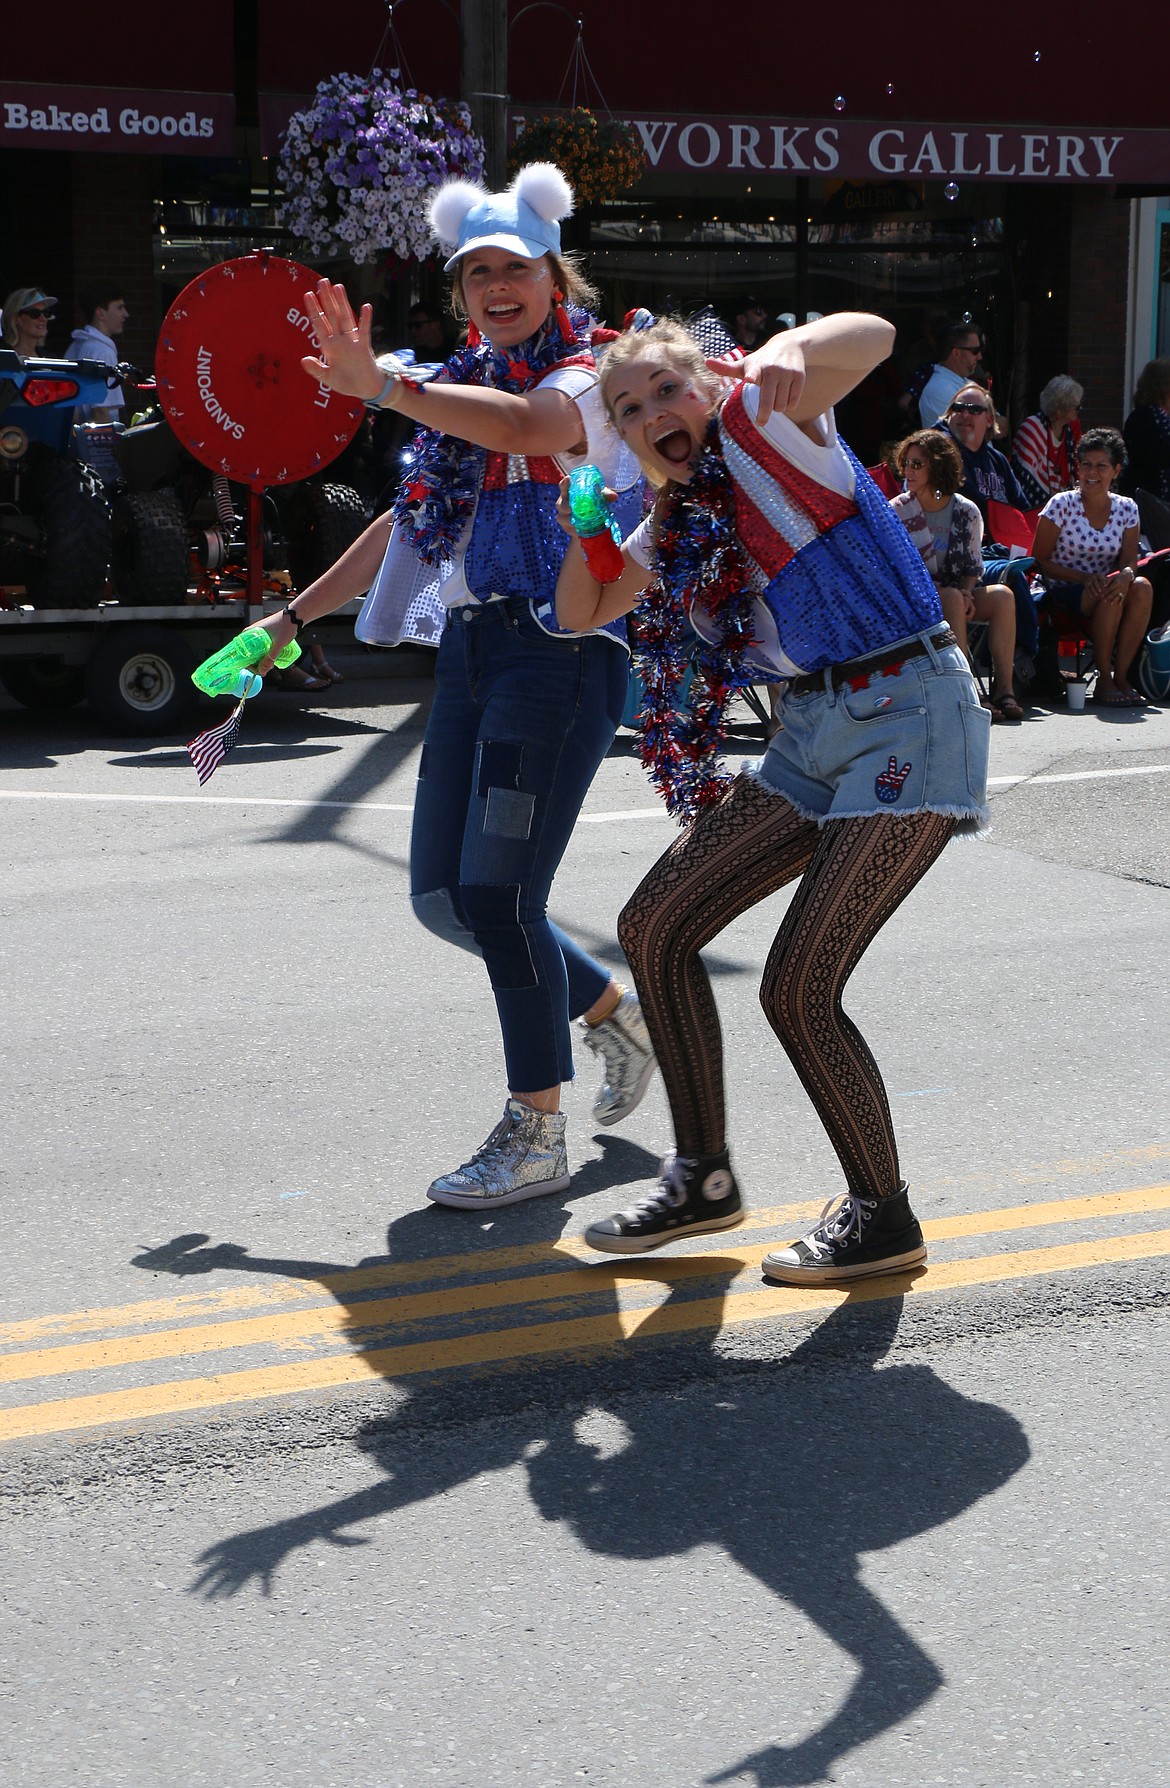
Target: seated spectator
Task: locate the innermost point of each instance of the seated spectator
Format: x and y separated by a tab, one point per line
106	315
968	420
964	351
27	314
987	475
1044	452
432	331
947	529
1147	433
750	322
1087	547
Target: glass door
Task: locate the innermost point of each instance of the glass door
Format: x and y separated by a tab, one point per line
1160	309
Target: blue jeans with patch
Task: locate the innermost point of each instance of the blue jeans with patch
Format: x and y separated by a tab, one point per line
521	720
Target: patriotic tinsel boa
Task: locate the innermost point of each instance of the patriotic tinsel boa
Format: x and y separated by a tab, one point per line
441	473
698	559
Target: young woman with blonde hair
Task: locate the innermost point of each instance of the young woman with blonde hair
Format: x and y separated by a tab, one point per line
770	538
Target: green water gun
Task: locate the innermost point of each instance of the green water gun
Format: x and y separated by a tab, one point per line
597	529
228	672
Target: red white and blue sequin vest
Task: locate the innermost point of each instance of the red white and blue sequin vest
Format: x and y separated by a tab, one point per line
516	546
838	576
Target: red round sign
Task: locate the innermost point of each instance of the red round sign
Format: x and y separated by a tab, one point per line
230	376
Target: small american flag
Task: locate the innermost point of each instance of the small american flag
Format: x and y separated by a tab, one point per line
208	751
713	335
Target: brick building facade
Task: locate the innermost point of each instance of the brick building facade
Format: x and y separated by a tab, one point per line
1095	280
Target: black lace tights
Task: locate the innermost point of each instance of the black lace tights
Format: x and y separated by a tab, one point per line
855	875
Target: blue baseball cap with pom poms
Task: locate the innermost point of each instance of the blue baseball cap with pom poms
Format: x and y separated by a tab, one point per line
525	220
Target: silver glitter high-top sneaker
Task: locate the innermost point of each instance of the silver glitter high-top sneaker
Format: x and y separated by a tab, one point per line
623	1042
524	1157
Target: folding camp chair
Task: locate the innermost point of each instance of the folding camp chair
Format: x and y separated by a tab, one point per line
1013	528
887	482
1064	641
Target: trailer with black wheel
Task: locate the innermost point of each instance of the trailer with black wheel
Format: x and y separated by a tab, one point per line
131	663
235	398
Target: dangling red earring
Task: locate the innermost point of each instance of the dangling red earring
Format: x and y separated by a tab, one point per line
474	338
568	333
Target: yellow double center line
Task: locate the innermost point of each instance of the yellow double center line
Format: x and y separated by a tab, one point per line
387	1336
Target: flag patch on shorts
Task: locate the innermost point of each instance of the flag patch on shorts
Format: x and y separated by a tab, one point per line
889	784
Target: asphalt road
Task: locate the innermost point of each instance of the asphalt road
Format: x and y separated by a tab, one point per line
309	1481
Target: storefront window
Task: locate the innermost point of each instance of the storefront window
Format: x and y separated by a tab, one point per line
900	249
894	249
211	212
1160	343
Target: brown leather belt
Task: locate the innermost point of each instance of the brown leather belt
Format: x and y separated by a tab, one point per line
858	670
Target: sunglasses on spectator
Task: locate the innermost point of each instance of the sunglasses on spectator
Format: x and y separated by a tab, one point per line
48	315
970	409
915	465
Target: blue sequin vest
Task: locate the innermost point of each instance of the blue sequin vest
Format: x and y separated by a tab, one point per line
842	576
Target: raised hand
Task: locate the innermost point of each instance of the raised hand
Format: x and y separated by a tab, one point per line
345	361
777	368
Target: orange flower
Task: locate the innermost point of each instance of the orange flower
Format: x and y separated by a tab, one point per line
599	160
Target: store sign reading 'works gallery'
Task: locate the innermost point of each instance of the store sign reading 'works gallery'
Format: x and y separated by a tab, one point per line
861	151
116	119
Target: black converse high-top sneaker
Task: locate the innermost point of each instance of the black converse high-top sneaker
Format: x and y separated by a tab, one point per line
854	1238
695	1193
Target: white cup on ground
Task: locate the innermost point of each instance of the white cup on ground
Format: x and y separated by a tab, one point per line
1076	694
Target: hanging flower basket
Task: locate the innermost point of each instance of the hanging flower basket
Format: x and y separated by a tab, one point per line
358	166
600	161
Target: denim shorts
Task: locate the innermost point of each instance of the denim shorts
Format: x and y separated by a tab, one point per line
910	738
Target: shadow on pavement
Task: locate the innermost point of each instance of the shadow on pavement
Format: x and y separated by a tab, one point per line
796	1470
382	757
32	741
796	1477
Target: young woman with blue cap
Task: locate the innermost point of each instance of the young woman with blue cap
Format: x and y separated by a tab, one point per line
523	710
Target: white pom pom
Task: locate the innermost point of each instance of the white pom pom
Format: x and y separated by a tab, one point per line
545	188
450	206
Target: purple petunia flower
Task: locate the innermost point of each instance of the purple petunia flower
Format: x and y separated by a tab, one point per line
358	165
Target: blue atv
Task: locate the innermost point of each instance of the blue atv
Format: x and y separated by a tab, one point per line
54	523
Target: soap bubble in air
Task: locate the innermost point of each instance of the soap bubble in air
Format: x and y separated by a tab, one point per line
839	103
890	88
951	191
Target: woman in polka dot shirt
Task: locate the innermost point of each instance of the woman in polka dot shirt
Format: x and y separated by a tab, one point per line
1087	546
